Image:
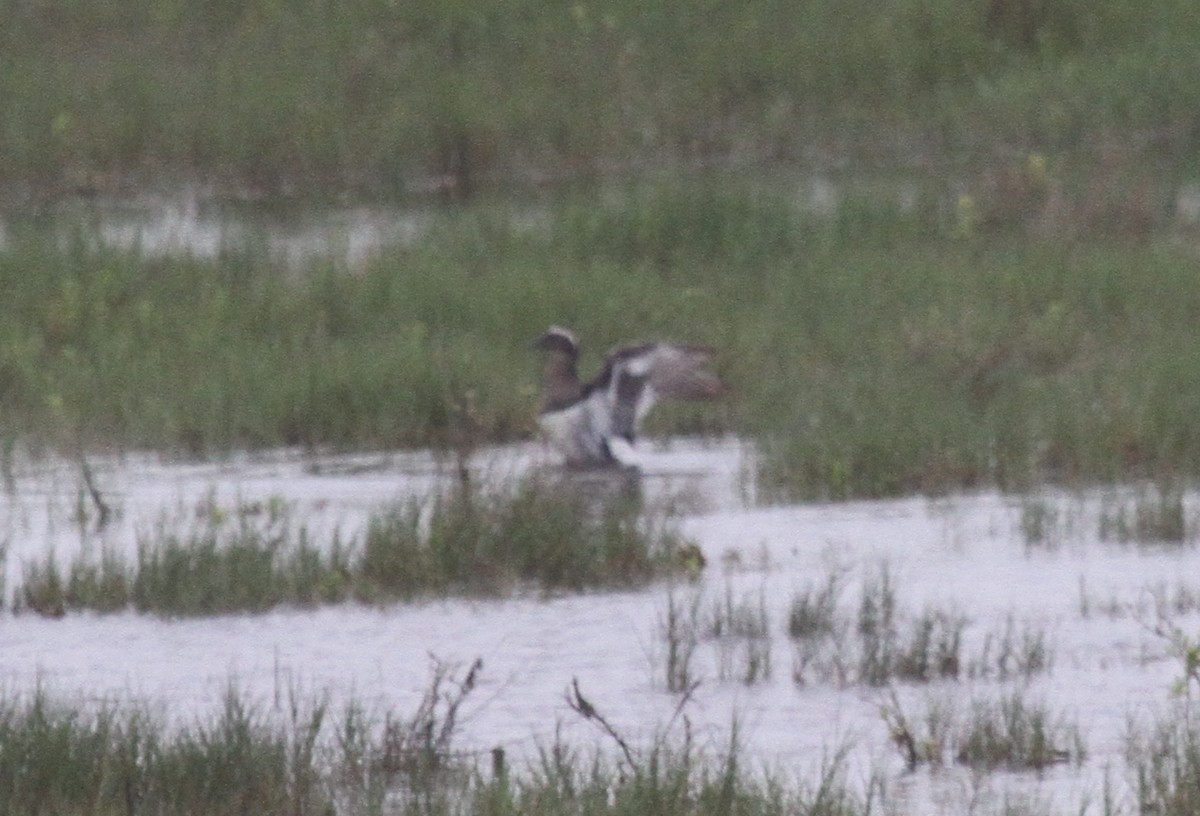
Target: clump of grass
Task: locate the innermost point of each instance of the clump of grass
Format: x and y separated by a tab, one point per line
877	633
813	612
931	651
102	587
305	757
1015	733
926	742
1155	515
1044	521
63	758
220	567
1013	652
42	590
1009	732
885	643
818	631
880	644
462	540
547	534
1165	762
679	629
740	630
1038	521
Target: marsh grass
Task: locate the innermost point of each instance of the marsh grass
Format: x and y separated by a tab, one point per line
813	612
1022	360
1016	733
884	642
534	535
818	631
1014	652
1165	763
59	757
1155	515
1009	731
930	651
435	98
307	757
678	628
548	534
1039	520
739	629
1047	522
972	321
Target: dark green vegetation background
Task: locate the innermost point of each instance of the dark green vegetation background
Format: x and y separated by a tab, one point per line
385	95
999	286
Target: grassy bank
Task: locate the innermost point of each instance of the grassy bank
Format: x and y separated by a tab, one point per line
273	97
896	342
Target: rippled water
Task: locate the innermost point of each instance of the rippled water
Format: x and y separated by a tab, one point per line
964	553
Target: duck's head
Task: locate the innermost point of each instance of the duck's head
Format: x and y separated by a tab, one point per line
559	340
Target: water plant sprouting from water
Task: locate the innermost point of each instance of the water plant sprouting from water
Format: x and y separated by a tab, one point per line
931	650
886	642
1164	761
1009	731
464	539
678	628
739	630
306	755
1154	514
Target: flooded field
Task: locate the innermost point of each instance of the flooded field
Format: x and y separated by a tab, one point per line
186	222
1036	601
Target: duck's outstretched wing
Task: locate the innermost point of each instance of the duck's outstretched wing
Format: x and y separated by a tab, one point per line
682	372
637	376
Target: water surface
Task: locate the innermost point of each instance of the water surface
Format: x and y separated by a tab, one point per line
964	553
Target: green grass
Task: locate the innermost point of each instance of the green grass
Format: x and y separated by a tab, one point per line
740	631
1009	731
884	643
1155	515
1019	734
536	534
306	757
264	96
546	534
1165	759
888	353
1001	292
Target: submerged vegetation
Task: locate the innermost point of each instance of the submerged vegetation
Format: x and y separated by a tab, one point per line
463	540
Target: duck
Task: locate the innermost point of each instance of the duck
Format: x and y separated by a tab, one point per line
594	424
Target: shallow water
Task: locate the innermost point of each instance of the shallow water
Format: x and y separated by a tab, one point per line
298	233
964	553
187	221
